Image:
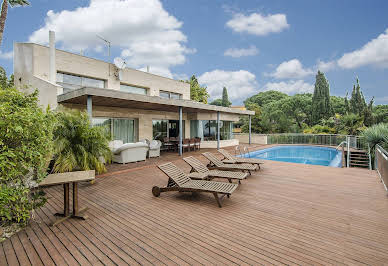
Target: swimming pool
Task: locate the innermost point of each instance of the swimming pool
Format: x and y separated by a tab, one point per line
301	154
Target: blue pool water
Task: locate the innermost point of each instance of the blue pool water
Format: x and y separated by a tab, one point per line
301	154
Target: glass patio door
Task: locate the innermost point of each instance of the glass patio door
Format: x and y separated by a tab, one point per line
124	129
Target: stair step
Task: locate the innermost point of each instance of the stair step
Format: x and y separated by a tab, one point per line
359	164
359	161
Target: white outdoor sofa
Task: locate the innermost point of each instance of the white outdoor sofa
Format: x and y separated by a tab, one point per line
128	152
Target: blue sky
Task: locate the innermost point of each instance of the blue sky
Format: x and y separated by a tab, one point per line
247	46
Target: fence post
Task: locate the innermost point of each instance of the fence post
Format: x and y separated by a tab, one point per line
347	151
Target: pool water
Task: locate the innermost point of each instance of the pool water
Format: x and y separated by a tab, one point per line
301	154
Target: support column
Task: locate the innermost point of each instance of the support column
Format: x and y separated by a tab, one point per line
218	130
250	128
180	131
89	107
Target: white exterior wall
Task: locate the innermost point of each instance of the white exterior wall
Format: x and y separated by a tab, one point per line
33	60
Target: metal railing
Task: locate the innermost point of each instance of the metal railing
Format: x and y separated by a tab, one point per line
381	164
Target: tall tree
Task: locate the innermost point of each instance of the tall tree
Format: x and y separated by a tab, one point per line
225	98
357	101
321	107
4	11
197	93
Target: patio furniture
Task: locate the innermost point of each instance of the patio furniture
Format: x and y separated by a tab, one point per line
229	158
218	164
185	144
179	181
197	143
154	148
198	169
168	144
192	144
66	179
130	152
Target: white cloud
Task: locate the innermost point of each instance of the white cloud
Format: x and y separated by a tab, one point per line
145	31
235	52
292	69
373	53
240	84
290	87
326	66
258	24
6	55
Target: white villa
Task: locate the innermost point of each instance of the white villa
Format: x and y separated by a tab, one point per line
134	104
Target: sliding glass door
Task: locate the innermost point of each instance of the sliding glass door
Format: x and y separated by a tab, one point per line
119	129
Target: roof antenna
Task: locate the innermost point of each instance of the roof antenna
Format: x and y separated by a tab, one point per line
109	45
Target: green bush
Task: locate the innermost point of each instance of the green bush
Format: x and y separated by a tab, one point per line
376	134
79	145
25	150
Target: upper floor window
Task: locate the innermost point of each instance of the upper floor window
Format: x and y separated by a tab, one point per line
72	82
170	95
133	89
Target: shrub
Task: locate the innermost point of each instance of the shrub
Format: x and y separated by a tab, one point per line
79	145
25	150
377	134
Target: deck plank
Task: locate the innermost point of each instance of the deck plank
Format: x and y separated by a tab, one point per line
286	213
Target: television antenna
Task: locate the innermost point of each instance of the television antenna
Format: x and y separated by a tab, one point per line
120	64
108	43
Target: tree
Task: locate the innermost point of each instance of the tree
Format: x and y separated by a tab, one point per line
26	145
264	98
4	81
197	93
321	107
217	102
225	98
357	101
4	11
79	145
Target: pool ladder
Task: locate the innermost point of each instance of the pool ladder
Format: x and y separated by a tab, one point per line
237	151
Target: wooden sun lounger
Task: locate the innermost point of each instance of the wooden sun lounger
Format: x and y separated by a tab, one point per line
179	181
218	164
199	170
229	158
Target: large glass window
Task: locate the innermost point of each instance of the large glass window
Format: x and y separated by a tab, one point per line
159	129
133	89
119	129
73	82
207	129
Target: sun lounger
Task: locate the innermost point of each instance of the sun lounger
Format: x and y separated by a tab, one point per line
179	181
229	158
218	164
200	171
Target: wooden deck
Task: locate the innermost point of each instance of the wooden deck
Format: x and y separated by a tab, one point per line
284	214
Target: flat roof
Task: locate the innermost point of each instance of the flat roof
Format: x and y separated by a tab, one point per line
114	98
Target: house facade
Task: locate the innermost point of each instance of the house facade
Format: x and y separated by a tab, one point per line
132	104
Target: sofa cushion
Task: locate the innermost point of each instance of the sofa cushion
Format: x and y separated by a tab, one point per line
130	146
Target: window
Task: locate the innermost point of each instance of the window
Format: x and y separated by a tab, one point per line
118	128
170	95
133	89
207	129
73	82
159	129
164	94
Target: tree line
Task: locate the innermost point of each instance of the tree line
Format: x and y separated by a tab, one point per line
316	113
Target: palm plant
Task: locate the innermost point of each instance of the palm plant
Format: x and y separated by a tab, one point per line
79	145
4	11
376	134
